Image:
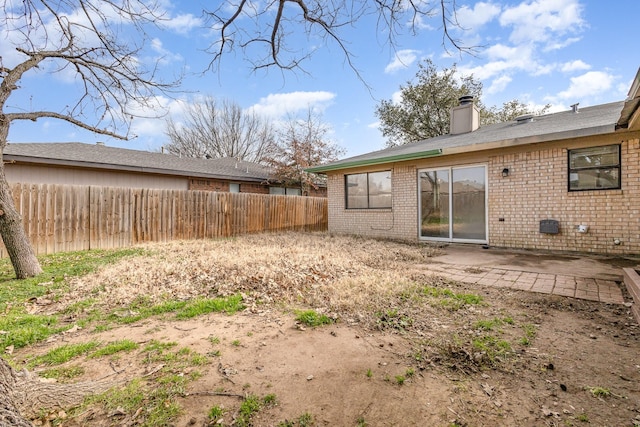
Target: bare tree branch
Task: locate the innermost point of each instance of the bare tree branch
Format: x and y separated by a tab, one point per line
97	45
112	80
35	115
267	32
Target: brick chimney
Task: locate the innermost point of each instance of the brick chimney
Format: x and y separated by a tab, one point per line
465	117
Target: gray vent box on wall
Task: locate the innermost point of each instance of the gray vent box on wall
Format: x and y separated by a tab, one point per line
549	226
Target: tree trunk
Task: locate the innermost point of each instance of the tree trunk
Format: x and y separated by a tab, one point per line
24	394
9	414
23	258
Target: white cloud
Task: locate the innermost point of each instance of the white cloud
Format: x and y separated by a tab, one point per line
183	23
533	27
151	116
502	59
517	54
396	97
471	19
165	56
156	45
499	84
488	70
589	84
542	21
403	59
280	104
577	65
541	69
623	88
560	44
374	125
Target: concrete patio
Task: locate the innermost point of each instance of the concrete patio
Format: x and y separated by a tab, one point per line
590	277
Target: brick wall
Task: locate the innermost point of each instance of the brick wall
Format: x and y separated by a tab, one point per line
208	185
317	192
400	222
535	190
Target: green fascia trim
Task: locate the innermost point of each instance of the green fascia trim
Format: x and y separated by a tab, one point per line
378	161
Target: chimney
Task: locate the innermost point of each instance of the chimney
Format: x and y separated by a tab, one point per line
465	117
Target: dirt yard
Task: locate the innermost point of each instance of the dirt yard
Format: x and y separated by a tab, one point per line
405	348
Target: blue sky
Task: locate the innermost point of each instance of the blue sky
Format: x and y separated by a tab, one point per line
558	52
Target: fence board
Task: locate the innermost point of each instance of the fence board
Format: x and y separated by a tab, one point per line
68	217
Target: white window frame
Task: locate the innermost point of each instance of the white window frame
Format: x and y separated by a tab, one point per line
486	205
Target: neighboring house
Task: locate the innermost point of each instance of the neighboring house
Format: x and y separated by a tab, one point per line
86	164
568	181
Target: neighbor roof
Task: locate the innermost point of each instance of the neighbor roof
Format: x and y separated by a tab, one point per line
99	156
596	120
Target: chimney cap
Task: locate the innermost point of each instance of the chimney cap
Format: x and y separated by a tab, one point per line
466	99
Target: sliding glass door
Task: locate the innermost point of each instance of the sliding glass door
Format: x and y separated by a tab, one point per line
453	204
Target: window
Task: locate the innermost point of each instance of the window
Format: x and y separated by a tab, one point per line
289	191
234	187
368	190
276	190
595	168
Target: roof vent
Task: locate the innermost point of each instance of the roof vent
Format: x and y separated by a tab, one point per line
100	143
525	118
574	107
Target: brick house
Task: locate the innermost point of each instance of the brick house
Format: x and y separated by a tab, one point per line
568	181
85	164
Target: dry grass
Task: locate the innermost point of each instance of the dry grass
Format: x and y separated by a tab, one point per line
379	284
332	273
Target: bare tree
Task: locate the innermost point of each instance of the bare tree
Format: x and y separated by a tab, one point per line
302	143
214	130
94	43
264	30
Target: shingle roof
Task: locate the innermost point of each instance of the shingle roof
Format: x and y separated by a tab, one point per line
104	157
599	119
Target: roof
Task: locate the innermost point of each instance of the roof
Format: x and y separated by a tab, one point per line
595	120
630	116
99	156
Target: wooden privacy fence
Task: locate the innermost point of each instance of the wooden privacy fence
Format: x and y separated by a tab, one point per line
61	218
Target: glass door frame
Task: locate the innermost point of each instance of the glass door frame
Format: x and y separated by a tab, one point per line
450	170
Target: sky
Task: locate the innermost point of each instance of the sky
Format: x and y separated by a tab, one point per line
557	52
